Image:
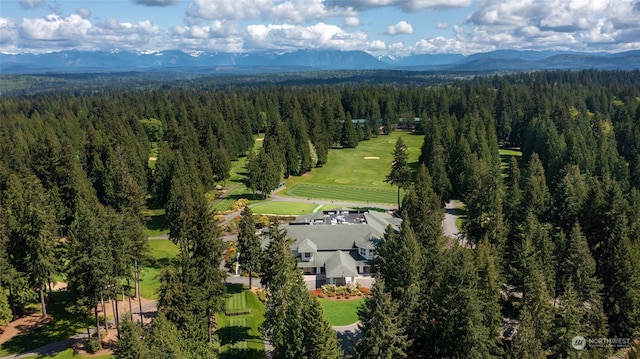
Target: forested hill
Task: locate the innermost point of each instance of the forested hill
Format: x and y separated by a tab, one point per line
554	234
306	60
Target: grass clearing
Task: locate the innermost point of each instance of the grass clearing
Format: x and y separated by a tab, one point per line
356	174
505	157
345	193
162	248
240	335
161	252
63	326
285	208
157	224
68	354
341	312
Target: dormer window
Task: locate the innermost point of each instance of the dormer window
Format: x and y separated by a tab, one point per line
306	254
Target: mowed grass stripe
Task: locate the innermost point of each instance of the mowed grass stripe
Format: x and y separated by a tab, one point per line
237	302
357	194
239	326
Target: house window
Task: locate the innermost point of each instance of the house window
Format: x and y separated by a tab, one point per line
363	251
306	254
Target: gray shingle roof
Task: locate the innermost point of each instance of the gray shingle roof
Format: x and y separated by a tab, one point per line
307	246
339	265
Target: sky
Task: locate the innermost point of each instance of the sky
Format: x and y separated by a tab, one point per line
379	27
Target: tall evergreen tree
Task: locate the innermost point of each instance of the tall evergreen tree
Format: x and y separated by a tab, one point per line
163	338
291	330
383	333
400	174
349	135
489	294
249	246
131	344
31	231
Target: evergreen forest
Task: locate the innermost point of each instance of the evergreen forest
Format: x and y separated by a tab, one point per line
550	245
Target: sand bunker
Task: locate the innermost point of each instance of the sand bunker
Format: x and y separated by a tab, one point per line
372	158
259	139
153	158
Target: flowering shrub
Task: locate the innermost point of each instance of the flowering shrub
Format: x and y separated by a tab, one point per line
346	291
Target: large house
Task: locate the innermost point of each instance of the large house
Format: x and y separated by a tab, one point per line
338	244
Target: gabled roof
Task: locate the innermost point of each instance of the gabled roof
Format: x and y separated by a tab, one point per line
307	246
341	264
369	241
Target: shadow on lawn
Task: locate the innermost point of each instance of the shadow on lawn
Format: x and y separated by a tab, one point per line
158	223
243	353
234	288
233	334
63	326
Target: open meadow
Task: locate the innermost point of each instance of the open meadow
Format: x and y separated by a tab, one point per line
356	174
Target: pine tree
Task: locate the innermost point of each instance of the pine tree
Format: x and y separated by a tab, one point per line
489	293
348	136
383	334
578	267
527	344
31	231
249	246
172	300
321	341
422	206
621	279
294	323
5	310
89	272
400	174
399	264
131	345
536	192
163	339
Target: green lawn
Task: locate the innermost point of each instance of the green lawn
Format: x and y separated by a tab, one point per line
161	252
162	248
63	326
240	335
68	354
505	157
341	312
345	193
157	224
356	174
288	208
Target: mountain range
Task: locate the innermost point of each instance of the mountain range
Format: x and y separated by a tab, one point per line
307	60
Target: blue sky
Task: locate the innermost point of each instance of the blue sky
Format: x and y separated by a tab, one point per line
380	27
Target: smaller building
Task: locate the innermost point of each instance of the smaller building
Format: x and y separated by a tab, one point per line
338	244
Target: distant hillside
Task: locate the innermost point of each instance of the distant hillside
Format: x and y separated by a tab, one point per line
307	60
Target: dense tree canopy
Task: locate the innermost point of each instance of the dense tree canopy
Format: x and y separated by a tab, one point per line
561	224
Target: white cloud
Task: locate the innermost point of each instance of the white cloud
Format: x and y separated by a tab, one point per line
377	46
402	27
55	27
84	12
30	4
318	36
558	24
295	11
156	2
228	9
442	25
8	32
351	21
404	5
